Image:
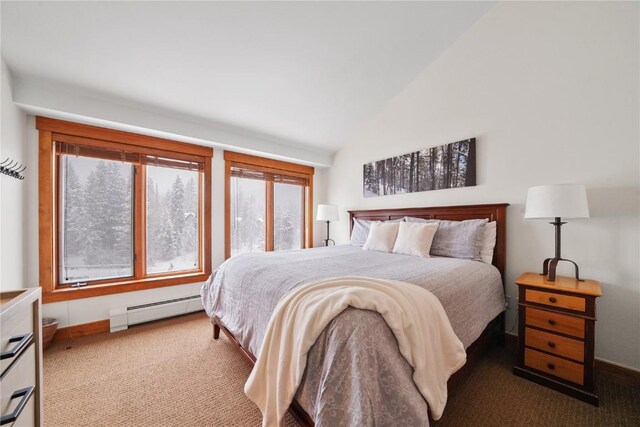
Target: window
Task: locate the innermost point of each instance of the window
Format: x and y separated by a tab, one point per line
96	216
248	215
119	211
268	205
172	219
288	216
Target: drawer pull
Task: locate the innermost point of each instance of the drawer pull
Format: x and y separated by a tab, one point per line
551	344
551	366
553	299
552	322
22	341
25	394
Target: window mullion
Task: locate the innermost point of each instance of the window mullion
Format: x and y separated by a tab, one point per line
140	222
303	215
308	213
269	215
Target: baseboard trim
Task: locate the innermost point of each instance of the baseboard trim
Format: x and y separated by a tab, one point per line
620	374
97	327
81	330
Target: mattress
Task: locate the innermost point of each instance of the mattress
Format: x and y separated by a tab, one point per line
355	373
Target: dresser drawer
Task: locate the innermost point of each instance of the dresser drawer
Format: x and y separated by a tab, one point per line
555	322
556	300
20	324
551	343
20	375
555	366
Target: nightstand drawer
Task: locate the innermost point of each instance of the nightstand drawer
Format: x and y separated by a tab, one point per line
555	366
551	343
555	322
556	300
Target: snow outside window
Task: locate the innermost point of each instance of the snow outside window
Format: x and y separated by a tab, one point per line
96	219
172	219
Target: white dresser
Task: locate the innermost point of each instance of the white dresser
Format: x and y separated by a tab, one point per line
21	358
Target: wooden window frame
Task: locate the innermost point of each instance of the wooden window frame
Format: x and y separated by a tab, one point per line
232	159
48	188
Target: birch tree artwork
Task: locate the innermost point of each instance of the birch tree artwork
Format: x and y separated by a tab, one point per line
436	168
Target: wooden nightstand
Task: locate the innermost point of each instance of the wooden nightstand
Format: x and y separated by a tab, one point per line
556	324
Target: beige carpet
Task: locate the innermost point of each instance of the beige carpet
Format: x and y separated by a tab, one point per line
493	396
173	373
166	373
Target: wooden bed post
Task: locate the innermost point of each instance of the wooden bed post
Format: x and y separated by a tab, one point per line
216	331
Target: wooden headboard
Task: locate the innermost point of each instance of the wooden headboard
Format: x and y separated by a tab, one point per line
494	212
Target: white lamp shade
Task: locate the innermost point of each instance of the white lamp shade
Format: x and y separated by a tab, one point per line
562	200
327	213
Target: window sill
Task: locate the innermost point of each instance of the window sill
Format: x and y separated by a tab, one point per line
66	294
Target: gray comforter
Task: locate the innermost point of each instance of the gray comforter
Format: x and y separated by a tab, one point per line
355	373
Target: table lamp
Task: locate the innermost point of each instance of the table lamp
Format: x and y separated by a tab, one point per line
327	213
557	201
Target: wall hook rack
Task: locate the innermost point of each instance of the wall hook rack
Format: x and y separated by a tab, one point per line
12	168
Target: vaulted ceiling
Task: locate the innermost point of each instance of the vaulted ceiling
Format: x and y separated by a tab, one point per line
303	75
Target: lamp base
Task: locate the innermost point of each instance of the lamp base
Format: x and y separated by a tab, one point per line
549	268
327	240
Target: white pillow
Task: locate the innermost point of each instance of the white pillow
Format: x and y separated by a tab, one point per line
361	230
382	236
415	238
487	238
488	242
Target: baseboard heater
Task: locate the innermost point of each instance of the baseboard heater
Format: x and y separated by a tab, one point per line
120	318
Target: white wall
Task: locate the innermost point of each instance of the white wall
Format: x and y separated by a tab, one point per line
12	191
551	92
58	101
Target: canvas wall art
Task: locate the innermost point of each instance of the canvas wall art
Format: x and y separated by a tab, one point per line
445	166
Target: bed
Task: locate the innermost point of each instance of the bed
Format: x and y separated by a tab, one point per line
354	373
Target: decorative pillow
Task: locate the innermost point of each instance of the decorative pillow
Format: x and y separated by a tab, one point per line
415	238
361	231
382	236
414	219
488	242
459	239
462	239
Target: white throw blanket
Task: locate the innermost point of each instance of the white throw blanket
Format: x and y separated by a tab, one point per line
415	316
